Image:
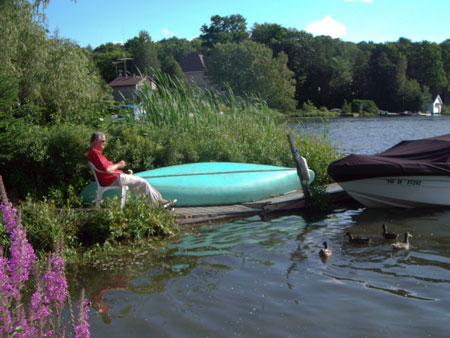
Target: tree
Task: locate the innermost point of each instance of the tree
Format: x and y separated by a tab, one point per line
268	34
170	66
389	86
72	87
105	56
23	41
145	57
425	65
55	78
445	52
224	29
170	51
9	90
250	68
174	47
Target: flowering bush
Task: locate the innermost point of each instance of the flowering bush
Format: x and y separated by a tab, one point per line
42	315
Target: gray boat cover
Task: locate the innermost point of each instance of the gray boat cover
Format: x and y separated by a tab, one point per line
425	157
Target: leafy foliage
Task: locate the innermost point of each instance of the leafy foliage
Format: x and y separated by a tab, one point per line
51	73
9	90
249	68
174	47
48	157
364	107
224	29
72	89
145	56
106	58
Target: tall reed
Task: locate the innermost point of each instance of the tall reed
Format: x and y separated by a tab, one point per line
185	124
176	102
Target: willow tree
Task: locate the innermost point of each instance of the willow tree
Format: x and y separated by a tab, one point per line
73	88
56	80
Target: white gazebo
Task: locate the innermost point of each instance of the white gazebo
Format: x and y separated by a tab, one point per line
435	107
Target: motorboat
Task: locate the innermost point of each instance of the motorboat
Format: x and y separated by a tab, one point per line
411	174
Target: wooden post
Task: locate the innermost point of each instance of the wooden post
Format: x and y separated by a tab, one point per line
296	158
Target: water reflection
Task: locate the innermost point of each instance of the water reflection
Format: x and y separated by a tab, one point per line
265	278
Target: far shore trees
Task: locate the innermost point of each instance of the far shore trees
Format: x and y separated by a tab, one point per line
224	29
250	69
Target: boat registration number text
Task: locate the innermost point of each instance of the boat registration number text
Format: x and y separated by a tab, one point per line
403	181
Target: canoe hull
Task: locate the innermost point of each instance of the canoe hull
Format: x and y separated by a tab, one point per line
215	183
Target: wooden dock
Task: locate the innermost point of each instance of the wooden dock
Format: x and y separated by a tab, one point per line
288	202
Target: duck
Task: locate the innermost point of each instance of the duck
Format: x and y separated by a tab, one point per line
388	235
401	245
357	240
325	252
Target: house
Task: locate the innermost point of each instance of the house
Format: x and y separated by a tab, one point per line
124	87
194	66
436	106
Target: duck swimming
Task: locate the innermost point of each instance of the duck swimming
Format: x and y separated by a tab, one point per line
357	240
402	246
388	235
325	252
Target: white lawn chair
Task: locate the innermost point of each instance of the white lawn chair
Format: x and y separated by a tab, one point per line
101	189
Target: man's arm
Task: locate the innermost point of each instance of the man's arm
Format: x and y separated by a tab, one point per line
116	166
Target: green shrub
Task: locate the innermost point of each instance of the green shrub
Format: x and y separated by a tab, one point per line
182	125
364	107
309	110
45	223
41	158
137	220
347	107
110	224
445	109
134	144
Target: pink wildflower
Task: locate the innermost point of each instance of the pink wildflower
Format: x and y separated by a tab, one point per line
82	329
55	279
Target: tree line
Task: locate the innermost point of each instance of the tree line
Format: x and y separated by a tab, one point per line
53	79
288	67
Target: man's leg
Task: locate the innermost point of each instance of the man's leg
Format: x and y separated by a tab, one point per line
140	186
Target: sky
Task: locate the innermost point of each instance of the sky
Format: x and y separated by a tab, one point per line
95	22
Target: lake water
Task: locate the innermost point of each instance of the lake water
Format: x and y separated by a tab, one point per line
264	278
373	135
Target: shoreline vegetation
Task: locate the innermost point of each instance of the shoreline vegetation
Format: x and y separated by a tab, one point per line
54	95
46	170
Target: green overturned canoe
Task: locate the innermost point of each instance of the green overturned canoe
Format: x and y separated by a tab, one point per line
215	183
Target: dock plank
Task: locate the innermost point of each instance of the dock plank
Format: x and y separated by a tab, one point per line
208	214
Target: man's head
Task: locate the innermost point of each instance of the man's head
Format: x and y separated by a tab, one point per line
98	140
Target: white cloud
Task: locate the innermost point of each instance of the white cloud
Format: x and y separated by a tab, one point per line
165	32
327	26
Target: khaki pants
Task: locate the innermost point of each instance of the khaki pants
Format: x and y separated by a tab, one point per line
140	186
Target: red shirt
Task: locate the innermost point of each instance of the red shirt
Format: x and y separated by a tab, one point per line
102	163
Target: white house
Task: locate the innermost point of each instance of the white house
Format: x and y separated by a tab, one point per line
435	107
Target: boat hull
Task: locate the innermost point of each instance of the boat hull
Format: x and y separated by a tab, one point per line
215	183
400	191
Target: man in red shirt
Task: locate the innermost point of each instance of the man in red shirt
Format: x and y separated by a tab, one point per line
134	183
